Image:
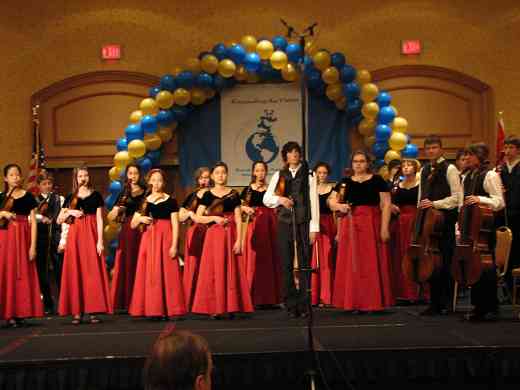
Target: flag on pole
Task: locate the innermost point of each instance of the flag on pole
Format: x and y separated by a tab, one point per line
35	165
501	136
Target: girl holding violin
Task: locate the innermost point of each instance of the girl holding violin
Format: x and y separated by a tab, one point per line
222	284
260	251
363	277
19	287
84	280
194	236
128	202
158	288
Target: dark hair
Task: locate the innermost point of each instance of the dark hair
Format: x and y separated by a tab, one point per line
460	153
140	182
75	172
178	357
220	164
433	139
480	150
289	147
156	170
6	171
512	140
393	164
361	152
253	177
44	175
198	173
323	164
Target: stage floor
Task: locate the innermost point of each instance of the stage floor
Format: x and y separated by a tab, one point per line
268	346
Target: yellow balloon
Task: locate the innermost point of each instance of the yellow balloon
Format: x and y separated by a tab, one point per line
114	173
241	73
226	68
149	106
111	231
177	70
370	110
152	141
265	49
209	63
198	96
181	96
136	116
330	75
398	140
121	159
400	124
392	155
363	77
367	126
249	42
279	59
369	141
334	91
253	78
165	134
164	99
383	172
369	92
310	48
321	60
210	93
289	72
136	148
193	65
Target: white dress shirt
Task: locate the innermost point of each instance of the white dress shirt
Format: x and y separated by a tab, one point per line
493	186
450	202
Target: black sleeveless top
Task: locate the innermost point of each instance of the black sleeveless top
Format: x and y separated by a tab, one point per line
365	193
257	197
324	207
405	196
164	209
88	205
23	205
230	203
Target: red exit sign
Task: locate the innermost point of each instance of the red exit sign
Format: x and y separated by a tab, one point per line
409	47
111	52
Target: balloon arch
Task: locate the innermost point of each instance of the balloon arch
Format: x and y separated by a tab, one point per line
253	61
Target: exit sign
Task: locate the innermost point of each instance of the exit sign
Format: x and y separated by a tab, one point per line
409	47
111	52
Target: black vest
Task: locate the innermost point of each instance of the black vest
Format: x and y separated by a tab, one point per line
296	188
52	212
438	187
474	183
511	183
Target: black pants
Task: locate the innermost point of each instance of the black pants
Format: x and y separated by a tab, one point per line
46	265
295	299
484	292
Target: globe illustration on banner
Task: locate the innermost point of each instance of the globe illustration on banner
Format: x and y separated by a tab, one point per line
262	145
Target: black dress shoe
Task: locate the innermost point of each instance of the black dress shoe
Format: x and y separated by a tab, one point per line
478	316
430	311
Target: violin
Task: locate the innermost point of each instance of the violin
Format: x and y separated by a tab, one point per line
74	206
423	256
7	205
280	186
216	208
144	209
246	202
121	203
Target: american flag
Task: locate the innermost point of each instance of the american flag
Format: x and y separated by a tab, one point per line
501	135
37	157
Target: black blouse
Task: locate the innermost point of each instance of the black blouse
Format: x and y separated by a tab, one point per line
405	197
88	205
23	205
191	200
365	193
324	207
132	203
230	203
164	209
257	197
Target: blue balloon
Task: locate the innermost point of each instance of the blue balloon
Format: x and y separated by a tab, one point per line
383	99
351	90
115	187
379	149
347	73
154	156
252	62
383	133
410	151
319	90
109	259
154	91
122	144
165	117
134	131
237	53
168	83
337	60
114	244
379	163
230	83
219	51
180	113
294	52
386	115
185	80
145	164
109	201
204	80
354	107
265	70
279	43
219	82
314	79
149	124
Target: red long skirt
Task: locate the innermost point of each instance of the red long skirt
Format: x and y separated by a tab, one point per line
193	244
263	265
222	284
125	266
401	229
158	288
84	279
363	271
321	282
20	295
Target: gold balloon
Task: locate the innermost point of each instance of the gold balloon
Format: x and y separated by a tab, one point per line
165	133
198	96
289	72
392	155
209	63
330	75
121	159
370	110
367	126
321	60
249	42
310	48
111	231
400	124
265	49
181	96
136	148
363	77
369	92
334	91
253	78
226	68
114	173
176	71
383	172
279	59
136	116
149	106
152	141
241	73
210	93
193	65
369	141
398	140
164	99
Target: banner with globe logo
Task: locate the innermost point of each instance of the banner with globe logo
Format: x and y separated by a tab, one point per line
256	121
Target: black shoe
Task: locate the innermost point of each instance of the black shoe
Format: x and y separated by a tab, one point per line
430	311
293	313
478	316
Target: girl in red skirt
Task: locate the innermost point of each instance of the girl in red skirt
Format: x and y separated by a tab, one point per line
19	287
363	274
322	250
194	236
128	203
222	284
84	279
158	288
260	251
